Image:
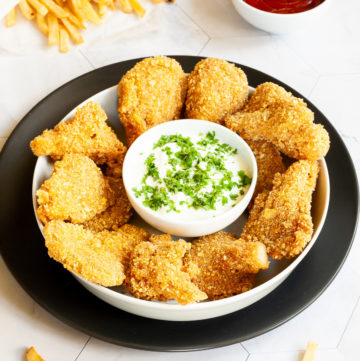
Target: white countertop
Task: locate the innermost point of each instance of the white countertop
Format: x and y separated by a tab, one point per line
322	62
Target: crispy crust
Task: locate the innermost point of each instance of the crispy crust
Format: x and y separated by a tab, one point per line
150	93
269	162
80	252
281	218
156	272
216	88
98	257
227	266
87	133
76	191
275	115
117	214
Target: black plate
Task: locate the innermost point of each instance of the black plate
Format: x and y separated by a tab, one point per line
46	281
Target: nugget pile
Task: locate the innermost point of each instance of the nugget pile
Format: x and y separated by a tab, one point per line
85	209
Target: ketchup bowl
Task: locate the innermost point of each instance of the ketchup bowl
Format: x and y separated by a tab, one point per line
279	23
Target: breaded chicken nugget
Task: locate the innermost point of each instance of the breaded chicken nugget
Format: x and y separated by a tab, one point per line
281	218
150	93
275	115
227	265
87	133
269	162
123	241
75	192
216	88
117	214
80	252
156	272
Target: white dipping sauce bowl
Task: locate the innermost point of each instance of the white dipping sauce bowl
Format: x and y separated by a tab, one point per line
278	23
187	127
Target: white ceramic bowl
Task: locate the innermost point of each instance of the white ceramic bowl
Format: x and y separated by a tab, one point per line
187	127
171	311
278	23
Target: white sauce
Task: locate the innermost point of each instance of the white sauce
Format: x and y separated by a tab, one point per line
233	163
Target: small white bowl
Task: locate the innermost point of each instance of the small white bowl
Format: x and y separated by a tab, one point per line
278	23
172	225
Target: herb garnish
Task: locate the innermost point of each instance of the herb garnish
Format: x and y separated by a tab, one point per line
197	170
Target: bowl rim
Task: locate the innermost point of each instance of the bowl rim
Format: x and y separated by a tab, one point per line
156	129
277	15
228	300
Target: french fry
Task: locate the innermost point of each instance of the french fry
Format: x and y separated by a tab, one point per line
63	39
90	13
140	11
56	9
10	19
53	26
126	6
32	355
38	6
310	351
76	20
26	10
157	1
72	31
42	23
102	10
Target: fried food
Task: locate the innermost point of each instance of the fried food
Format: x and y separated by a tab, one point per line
75	192
227	266
80	251
123	241
281	218
156	272
275	115
150	93
269	162
216	88
32	355
117	214
87	133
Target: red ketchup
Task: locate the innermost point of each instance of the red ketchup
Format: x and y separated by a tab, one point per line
284	6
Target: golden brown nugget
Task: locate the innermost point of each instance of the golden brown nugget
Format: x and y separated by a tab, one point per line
227	266
123	241
87	133
281	218
156	272
275	115
150	93
75	192
216	88
269	162
80	251
117	214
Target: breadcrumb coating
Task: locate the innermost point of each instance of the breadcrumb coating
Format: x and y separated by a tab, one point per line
100	257
269	162
150	93
216	88
123	241
87	133
80	251
75	192
275	115
281	218
156	272
117	214
227	266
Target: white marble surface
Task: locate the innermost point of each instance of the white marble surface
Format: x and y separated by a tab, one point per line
322	62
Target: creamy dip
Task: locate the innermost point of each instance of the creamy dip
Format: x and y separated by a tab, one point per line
191	178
